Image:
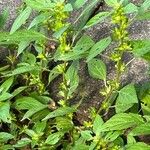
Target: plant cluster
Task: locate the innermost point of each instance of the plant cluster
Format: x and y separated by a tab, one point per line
49	47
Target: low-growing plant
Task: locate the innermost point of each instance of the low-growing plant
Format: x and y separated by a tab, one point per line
47	47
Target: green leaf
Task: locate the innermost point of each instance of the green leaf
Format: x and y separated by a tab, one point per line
21	47
19	36
7	84
40	126
72	77
111	3
145	109
5	96
18	91
68	7
97	124
79	3
39	19
58	34
126	99
30	132
138	146
30	104
146	5
40	5
84	44
130	139
4	112
22	69
98	48
122	121
54	138
97	19
64	123
141	47
143	129
144	16
4	136
20	20
23	142
86	135
62	111
85	14
130	8
97	69
4	68
55	72
81	147
113	135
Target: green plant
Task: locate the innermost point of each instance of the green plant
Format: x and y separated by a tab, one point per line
49	47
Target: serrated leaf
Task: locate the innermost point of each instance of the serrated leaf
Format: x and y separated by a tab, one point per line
126	99
30	104
143	129
20	20
4	112
122	121
62	111
138	146
98	48
23	142
97	69
54	138
97	19
4	136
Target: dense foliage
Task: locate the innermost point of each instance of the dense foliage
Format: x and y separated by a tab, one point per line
48	47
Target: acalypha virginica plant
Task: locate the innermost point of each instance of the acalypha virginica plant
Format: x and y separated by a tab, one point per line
45	51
